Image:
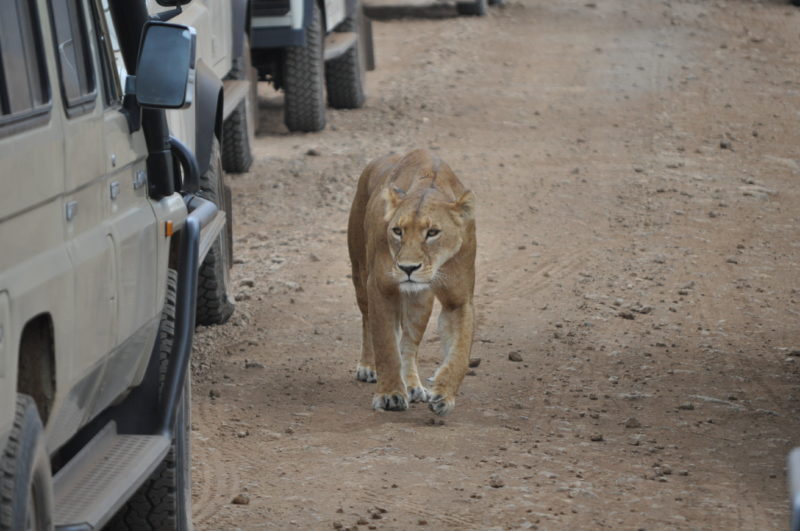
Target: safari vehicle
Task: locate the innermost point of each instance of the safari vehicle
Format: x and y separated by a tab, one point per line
106	224
224	77
308	47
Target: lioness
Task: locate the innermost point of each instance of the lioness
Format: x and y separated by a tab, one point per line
411	238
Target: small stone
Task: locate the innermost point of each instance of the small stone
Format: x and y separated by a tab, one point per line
725	144
732	260
362	521
242	434
625	314
313	152
794	352
596	437
253	365
688	406
474	362
515	356
247	282
241	499
338	525
496	482
213	393
422	521
472	373
632	422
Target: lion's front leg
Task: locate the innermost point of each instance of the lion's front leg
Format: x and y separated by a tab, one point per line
384	327
455	328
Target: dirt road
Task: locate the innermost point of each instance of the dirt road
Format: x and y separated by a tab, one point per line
639	240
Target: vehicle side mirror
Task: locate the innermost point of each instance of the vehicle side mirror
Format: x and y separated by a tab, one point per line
165	70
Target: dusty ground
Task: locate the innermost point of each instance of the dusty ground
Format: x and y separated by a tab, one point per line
639	239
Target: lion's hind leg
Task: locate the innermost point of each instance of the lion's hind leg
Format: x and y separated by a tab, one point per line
365	371
417	309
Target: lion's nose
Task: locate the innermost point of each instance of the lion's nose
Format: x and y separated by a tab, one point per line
409	268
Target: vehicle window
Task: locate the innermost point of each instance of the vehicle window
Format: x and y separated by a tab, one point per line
105	40
74	56
24	89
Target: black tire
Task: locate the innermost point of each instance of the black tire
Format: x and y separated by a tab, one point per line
344	76
26	482
214	301
304	80
475	8
238	129
165	500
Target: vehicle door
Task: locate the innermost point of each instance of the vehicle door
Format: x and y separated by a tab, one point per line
132	222
87	206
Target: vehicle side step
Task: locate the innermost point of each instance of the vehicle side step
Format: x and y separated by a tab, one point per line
336	44
103	475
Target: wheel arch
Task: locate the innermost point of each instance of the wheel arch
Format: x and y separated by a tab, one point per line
208	114
36	367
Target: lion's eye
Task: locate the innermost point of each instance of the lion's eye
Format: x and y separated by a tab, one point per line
432	233
398	231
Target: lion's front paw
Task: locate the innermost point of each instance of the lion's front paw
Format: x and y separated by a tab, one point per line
441	405
418	394
390	402
366	374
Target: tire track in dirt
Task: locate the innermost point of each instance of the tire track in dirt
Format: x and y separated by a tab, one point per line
215	481
406	506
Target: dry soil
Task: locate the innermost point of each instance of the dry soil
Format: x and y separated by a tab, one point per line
638	245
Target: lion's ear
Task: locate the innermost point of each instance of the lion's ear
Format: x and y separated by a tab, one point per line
465	205
392	196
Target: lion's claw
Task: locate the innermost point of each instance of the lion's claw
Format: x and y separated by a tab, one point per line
441	405
390	402
366	374
418	394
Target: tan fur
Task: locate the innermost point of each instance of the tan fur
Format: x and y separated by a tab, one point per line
415	194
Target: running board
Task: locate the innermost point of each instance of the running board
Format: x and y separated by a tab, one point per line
337	44
92	487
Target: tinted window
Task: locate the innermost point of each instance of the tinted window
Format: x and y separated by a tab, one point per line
23	79
72	49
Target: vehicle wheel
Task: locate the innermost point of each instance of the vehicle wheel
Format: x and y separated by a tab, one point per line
214	300
165	500
304	80
238	130
344	76
26	483
476	7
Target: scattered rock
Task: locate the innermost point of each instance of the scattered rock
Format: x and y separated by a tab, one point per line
632	422
247	283
313	152
496	482
422	521
241	499
474	362
688	406
362	521
338	525
253	365
213	393
515	356
596	437
626	314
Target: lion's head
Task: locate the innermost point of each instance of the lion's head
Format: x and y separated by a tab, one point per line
424	230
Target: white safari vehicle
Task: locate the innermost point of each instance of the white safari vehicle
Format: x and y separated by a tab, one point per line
106	224
309	47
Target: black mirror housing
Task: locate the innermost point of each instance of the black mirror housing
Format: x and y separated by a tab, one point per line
165	70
